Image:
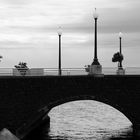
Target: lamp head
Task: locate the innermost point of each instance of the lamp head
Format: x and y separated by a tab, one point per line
120	34
95	14
59	31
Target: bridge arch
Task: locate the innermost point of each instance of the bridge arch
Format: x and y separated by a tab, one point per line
101	99
40	123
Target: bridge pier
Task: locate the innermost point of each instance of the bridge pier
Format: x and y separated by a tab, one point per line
136	130
35	129
40	131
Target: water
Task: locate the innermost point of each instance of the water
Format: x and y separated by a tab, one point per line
88	120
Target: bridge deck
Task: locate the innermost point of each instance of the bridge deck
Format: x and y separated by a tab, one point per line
22	97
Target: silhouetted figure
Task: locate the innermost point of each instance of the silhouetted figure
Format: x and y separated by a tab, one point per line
1	57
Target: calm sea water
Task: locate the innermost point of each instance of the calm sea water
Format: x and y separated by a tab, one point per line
88	120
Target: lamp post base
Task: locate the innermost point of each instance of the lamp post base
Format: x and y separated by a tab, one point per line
95	70
120	71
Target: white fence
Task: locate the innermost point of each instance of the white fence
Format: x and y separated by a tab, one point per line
65	71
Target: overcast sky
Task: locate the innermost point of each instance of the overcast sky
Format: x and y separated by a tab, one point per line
28	32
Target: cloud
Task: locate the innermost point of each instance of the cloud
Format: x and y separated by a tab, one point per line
33	24
16	2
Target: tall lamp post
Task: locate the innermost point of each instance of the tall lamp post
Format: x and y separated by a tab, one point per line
120	70
59	61
95	68
95	60
120	39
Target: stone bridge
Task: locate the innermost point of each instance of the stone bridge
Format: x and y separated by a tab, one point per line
25	101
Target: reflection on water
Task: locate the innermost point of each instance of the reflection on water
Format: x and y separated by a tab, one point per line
88	120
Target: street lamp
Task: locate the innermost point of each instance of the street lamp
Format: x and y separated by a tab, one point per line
95	68
59	61
120	70
95	60
120	38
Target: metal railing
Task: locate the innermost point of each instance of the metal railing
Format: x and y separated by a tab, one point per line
65	71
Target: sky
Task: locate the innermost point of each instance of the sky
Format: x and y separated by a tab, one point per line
28	32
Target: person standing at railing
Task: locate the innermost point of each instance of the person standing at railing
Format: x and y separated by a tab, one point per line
1	57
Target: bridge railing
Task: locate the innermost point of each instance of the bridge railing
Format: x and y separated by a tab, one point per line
65	71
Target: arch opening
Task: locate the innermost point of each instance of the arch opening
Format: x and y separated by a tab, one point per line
88	119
